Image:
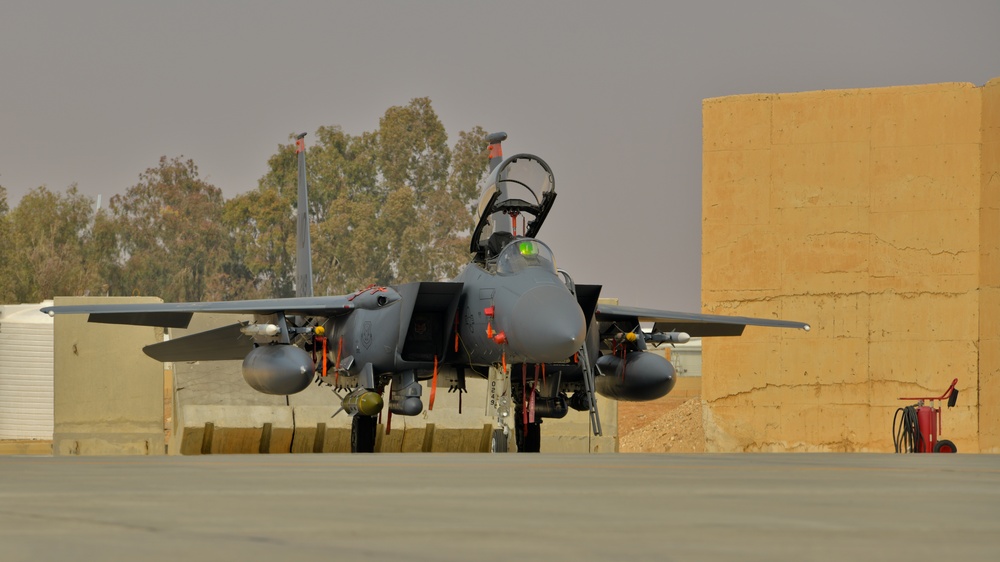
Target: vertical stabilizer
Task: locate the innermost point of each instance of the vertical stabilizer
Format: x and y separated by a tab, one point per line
303	255
499	220
496	150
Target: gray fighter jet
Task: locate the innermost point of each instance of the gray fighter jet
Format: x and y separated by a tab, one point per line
545	342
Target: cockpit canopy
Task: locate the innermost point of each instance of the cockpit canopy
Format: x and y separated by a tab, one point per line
521	185
523	253
522	177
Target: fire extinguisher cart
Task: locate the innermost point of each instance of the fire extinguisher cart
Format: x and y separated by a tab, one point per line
915	428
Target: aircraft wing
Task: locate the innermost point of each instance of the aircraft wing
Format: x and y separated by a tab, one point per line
178	315
694	324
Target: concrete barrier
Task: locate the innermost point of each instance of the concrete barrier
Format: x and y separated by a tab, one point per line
108	395
25	447
235	429
248	429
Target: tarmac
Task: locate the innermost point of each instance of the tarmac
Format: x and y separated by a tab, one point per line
786	506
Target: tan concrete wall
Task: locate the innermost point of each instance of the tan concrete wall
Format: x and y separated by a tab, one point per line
108	395
860	212
25	447
989	300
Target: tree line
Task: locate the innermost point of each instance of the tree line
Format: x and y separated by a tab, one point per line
388	206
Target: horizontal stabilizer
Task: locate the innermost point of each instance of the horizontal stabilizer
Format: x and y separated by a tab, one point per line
220	344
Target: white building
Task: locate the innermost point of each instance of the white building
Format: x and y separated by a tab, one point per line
26	368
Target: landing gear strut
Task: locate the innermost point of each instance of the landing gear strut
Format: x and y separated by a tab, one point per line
499	408
528	434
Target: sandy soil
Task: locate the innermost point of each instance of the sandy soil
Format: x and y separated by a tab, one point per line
664	425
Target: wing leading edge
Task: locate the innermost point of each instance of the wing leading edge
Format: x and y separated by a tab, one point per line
694	324
178	315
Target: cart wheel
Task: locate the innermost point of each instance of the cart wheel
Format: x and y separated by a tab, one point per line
945	446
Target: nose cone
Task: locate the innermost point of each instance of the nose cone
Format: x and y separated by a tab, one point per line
547	325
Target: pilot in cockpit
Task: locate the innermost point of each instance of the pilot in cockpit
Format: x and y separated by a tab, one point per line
497	242
523	253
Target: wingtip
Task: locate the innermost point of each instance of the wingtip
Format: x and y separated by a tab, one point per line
806	327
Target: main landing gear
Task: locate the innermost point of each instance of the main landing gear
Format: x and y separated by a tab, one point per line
527	425
363	430
528	434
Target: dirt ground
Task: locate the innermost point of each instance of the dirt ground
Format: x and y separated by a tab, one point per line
664	425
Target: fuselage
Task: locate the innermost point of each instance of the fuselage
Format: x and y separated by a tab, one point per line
517	309
523	316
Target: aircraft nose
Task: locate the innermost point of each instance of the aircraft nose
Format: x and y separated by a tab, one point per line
547	325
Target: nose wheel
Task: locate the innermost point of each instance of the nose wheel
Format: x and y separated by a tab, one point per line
498	444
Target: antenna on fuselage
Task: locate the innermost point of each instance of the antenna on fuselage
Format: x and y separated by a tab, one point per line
303	255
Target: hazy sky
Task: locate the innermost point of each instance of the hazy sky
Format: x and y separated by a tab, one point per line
609	94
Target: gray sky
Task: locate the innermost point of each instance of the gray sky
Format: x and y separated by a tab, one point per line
609	94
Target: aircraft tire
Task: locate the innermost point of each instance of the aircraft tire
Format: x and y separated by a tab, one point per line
498	443
363	433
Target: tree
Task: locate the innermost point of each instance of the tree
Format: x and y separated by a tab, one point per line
261	225
413	148
48	239
170	239
410	224
469	162
6	281
387	206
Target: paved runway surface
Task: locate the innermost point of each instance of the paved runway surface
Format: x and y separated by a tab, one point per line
501	507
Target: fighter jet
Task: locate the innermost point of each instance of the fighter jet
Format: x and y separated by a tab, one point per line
545	343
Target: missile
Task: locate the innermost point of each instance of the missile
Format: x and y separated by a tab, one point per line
260	330
362	401
668	337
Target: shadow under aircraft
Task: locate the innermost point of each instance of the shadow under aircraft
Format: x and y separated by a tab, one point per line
545	342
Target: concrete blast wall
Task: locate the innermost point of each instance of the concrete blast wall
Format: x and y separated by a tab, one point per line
108	396
874	215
